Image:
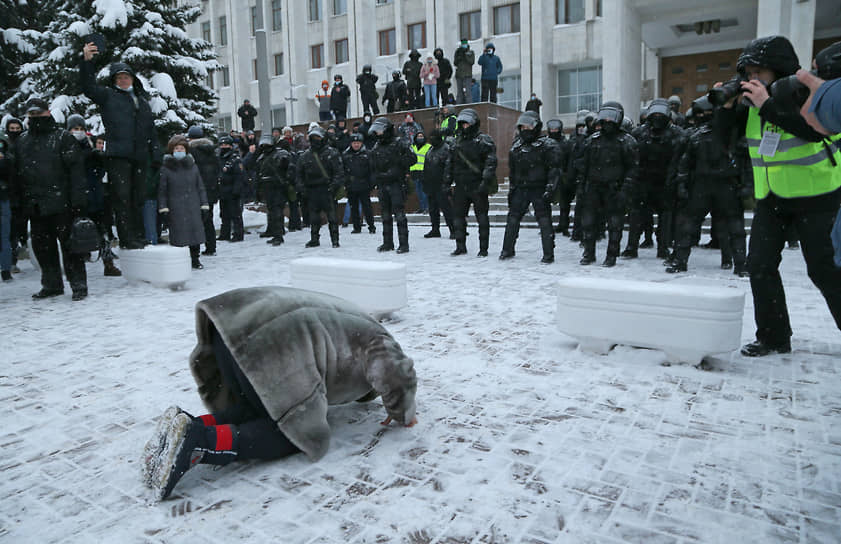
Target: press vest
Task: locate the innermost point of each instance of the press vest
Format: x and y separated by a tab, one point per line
798	168
421	155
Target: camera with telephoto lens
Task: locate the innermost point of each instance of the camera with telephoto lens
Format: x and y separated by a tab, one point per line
791	94
719	96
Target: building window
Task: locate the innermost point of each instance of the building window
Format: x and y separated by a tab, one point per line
509	92
569	11
339	7
278	116
209	80
341	51
315	10
470	25
701	68
383	2
254	69
507	19
416	35
224	124
702	88
226	77
253	20
579	89
205	31
223	30
278	64
277	16
387	39
317	55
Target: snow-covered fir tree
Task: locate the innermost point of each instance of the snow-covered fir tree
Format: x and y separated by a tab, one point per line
147	35
20	26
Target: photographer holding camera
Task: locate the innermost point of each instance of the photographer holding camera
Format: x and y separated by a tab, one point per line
797	179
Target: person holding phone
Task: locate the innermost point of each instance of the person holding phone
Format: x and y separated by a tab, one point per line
131	145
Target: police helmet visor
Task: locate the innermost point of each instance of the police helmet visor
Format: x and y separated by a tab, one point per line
612	115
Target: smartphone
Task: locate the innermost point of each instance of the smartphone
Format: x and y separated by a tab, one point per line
97	39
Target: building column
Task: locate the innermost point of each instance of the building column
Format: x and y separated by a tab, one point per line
622	61
794	20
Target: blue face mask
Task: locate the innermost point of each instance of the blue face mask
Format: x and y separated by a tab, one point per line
179	154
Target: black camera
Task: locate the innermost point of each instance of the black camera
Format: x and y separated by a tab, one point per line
789	93
718	96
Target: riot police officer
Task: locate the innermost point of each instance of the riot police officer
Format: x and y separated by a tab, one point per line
474	173
709	178
577	145
436	169
390	161
535	165
320	176
231	186
674	105
657	141
565	192
609	169
359	177
273	180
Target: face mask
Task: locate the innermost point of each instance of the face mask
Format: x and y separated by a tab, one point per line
78	134
179	154
128	89
40	124
420	141
225	150
13	135
610	128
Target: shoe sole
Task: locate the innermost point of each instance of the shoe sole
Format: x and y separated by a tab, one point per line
153	448
165	470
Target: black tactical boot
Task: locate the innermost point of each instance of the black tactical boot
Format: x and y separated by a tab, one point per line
312	243
505	254
265	234
761	349
726	264
630	253
676	266
609	261
461	248
741	270
548	259
276	241
434	233
372	229
587	258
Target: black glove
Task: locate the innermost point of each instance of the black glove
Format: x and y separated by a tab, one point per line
682	192
548	192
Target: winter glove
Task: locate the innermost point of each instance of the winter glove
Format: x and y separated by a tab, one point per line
548	192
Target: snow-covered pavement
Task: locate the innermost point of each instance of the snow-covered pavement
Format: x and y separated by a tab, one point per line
521	437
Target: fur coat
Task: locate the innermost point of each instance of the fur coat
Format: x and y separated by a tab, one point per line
301	351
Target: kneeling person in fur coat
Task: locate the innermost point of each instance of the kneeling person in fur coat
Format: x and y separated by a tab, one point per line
268	362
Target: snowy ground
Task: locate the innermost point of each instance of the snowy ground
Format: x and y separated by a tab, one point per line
522	437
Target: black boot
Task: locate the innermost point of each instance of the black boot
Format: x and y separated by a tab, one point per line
276	241
589	256
741	270
484	240
509	239
434	233
6	275
647	243
194	257
334	235
630	253
609	261
676	267
761	349
110	269
388	243
403	235
461	248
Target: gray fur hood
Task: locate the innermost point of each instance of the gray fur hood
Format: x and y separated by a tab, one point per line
301	351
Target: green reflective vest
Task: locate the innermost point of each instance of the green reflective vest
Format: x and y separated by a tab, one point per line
421	155
798	168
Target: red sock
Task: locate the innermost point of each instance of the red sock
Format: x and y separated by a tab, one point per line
224	438
208	419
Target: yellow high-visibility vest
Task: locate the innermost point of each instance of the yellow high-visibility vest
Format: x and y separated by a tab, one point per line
798	168
421	155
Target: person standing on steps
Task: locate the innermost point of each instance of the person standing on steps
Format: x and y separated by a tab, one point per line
463	60
391	159
320	176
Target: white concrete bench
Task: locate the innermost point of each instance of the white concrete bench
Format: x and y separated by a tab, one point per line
161	265
379	288
686	321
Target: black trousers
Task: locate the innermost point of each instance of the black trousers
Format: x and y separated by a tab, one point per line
48	232
230	210
393	203
489	90
257	434
275	204
648	202
320	200
354	199
721	196
415	98
443	91
567	196
519	200
369	103
127	179
813	219
209	230
602	201
463	197
439	204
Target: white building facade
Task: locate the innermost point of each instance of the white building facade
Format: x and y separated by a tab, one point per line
572	53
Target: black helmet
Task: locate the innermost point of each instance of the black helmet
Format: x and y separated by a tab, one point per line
469	116
357	137
529	126
266	141
772	52
395	75
828	61
581	117
702	105
366	69
317	137
226	140
658	105
554	125
382	129
610	113
195	132
627	124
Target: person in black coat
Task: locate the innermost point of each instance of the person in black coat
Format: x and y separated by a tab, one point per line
391	160
320	176
395	93
273	162
359	178
248	114
51	186
445	69
231	184
367	82
339	97
534	104
204	153
131	146
411	69
436	168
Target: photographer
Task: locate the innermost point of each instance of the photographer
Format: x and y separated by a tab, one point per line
797	176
